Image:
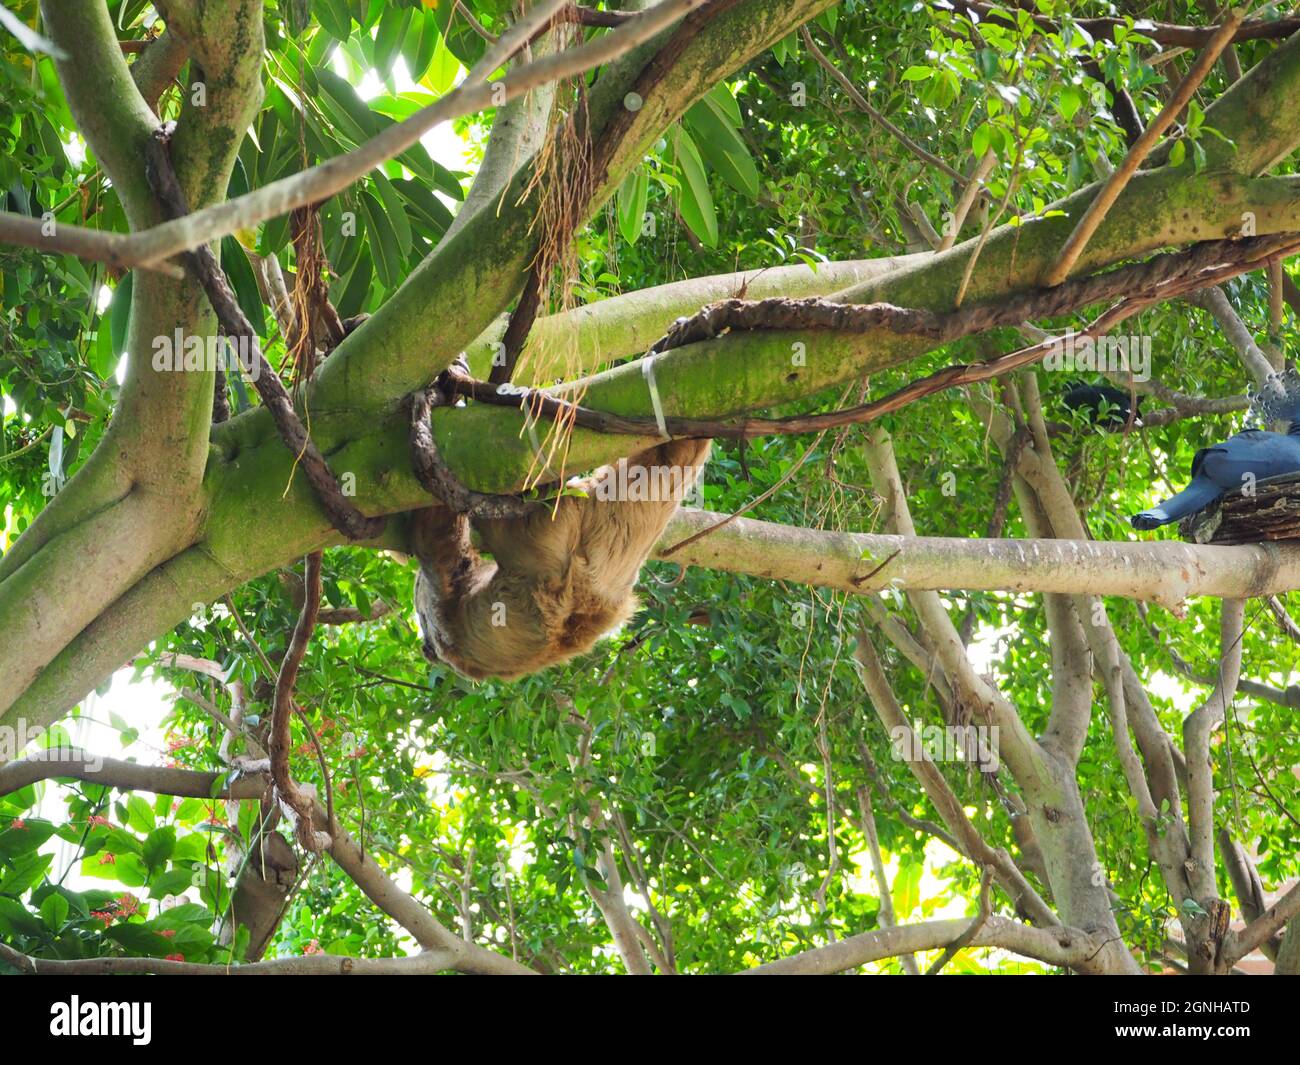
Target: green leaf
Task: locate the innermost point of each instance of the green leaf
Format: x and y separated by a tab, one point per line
786	48
632	197
194	847
139	814
189	811
119	314
54	912
693	197
274	236
443	67
355	119
720	95
334	17
906	892
172	882
349	293
16	841
28	37
18	802
722	146
388	259
100	355
389	37
420	44
158	848
239	271
461	39
1068	100
139	940
15	920
424	205
187	913
190	939
918	73
395	211
23	873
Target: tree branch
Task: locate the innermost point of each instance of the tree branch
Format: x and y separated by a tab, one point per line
1055	946
1238	944
335	175
1165	33
1123	173
1196	745
946	803
444	949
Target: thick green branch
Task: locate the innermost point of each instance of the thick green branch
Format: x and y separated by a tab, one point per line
111	114
471	278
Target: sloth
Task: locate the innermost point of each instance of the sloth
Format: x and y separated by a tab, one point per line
558	579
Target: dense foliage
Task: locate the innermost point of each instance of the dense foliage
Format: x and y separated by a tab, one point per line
723	735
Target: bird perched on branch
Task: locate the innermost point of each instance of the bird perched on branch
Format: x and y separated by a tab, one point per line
1104	407
1242	459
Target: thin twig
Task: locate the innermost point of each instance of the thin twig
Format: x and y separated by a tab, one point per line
978	922
751	504
282	713
861	103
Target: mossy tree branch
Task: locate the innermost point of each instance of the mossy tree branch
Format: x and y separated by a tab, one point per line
353	402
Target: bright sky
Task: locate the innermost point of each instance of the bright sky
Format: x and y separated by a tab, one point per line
442	142
141	704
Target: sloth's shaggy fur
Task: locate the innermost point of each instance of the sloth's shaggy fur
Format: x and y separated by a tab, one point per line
557	580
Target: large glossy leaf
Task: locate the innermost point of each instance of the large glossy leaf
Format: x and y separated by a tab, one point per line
693	197
442	69
427	209
390	264
239	271
393	27
722	146
421	41
632	197
335	17
346	107
395	210
119	313
466	45
22	837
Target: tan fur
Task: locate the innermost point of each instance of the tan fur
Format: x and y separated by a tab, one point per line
558	580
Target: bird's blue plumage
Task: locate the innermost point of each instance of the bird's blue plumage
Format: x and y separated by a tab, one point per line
1251	455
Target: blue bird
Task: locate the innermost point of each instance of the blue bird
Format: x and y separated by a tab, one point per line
1252	454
